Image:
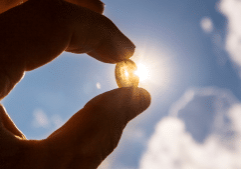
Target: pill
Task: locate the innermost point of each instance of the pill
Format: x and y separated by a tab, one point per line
125	74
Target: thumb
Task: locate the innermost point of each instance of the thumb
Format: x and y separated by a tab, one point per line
94	131
125	103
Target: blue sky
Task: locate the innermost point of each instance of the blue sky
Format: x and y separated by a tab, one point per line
192	49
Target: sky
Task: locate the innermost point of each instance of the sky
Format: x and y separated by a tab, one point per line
192	51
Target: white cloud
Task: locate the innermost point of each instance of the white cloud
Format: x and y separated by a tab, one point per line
40	119
174	146
232	10
206	24
134	134
98	85
57	121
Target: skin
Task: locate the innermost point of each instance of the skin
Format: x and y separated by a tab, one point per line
35	32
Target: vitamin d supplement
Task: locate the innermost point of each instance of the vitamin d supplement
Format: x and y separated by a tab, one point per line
125	74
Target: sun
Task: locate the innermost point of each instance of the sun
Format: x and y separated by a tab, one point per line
142	72
150	72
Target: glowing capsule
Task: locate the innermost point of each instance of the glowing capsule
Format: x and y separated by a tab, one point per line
125	74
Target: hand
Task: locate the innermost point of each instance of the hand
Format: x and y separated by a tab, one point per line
49	27
36	32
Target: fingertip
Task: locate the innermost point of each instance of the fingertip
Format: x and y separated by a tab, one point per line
98	36
113	50
137	101
94	5
142	99
125	102
113	45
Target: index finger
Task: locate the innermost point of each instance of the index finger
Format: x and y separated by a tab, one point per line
50	27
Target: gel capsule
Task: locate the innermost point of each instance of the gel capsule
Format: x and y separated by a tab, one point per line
125	74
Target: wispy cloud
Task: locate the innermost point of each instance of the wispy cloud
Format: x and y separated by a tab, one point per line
40	119
57	120
212	113
98	85
206	24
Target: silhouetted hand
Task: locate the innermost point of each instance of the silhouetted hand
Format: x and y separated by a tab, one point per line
33	34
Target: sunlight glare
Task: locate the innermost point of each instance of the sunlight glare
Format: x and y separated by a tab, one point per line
142	72
126	73
153	70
